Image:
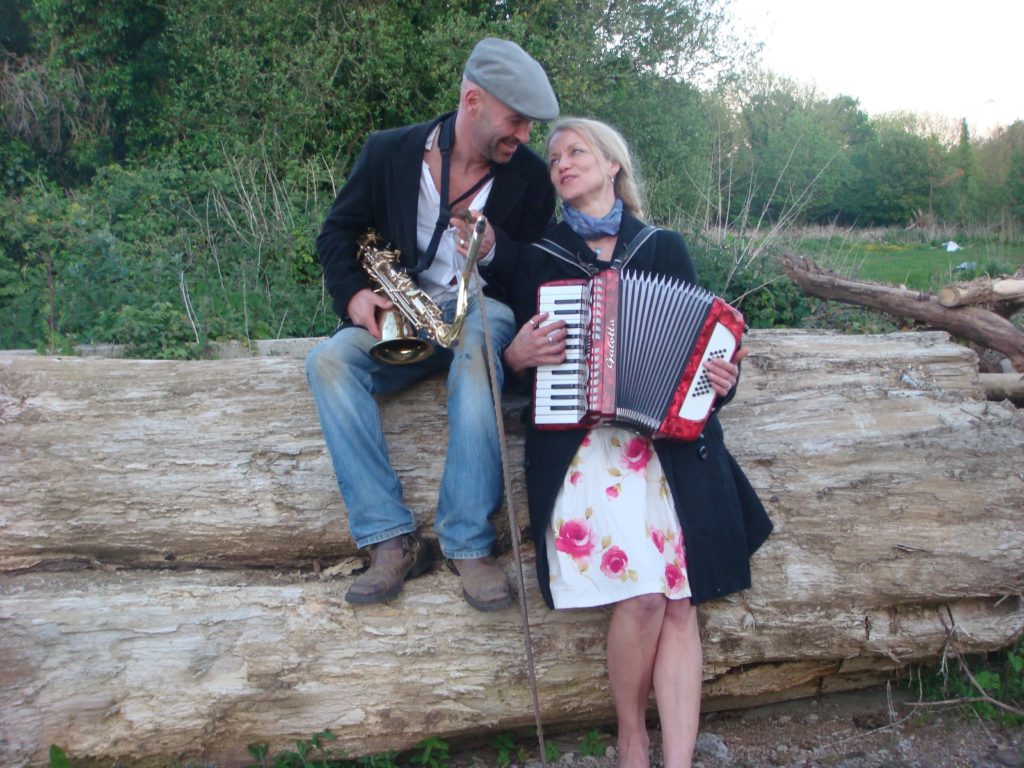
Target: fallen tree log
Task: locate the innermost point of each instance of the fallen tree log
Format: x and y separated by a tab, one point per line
1003	386
896	492
222	464
140	667
1005	295
982	326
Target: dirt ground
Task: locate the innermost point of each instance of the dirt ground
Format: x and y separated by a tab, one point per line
873	728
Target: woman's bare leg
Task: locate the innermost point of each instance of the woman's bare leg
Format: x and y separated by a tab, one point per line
632	648
677	681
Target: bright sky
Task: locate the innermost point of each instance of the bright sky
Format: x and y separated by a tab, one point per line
955	59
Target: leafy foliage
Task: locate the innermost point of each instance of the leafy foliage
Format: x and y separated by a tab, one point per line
591	744
57	758
165	166
989	687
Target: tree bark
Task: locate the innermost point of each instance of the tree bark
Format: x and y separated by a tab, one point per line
982	326
141	667
1003	386
161	520
1004	294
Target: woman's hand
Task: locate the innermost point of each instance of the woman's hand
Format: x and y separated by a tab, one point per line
722	374
536	343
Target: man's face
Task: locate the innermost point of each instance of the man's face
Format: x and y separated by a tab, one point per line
500	130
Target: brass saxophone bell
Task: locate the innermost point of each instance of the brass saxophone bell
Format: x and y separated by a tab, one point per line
399	343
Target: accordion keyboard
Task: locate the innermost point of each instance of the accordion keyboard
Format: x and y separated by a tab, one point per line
561	390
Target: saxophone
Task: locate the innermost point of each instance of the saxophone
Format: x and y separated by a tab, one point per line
414	310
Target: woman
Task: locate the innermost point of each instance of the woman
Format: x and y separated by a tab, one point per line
654	527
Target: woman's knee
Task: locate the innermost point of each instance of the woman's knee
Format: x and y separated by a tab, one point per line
643	609
682	614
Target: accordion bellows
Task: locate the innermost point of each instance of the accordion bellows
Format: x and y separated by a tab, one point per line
635	353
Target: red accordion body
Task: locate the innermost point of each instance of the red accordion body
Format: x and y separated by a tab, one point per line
635	353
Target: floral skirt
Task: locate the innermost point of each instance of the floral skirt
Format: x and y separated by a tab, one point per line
614	533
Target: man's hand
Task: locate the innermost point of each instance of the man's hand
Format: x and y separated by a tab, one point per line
464	228
363	308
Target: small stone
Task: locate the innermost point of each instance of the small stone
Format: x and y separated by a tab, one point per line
712	744
1008	757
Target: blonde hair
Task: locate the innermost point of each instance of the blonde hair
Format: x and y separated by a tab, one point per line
609	142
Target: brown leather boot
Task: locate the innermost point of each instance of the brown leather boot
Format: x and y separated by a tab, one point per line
484	584
391	563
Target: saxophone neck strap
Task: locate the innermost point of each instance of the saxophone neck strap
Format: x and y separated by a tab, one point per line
445	144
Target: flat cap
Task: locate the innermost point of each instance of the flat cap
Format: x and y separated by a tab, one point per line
512	76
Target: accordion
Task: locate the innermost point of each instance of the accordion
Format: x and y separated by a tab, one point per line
635	353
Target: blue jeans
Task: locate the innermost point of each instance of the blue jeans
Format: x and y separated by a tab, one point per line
344	379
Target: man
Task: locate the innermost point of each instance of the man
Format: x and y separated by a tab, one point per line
405	184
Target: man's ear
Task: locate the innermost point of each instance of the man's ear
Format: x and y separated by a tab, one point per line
472	99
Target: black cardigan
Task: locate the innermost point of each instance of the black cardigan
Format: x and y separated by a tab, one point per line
722	519
382	192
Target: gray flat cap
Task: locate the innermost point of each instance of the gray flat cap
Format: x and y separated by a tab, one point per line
512	76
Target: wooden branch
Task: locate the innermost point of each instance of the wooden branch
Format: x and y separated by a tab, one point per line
1003	386
979	325
1004	294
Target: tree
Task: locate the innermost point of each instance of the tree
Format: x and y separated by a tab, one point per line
796	152
898	173
87	89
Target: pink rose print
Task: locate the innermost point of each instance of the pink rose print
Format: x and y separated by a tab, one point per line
575	539
637	454
674	578
574	477
658	537
613	563
586	440
612	491
680	550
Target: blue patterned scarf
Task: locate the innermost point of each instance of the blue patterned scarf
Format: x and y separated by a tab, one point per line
589	227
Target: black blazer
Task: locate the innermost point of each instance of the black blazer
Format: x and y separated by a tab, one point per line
382	192
723	520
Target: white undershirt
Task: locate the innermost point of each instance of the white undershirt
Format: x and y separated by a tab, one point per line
440	279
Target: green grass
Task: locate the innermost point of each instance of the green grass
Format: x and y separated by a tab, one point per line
923	266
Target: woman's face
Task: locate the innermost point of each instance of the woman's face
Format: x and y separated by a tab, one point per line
582	176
